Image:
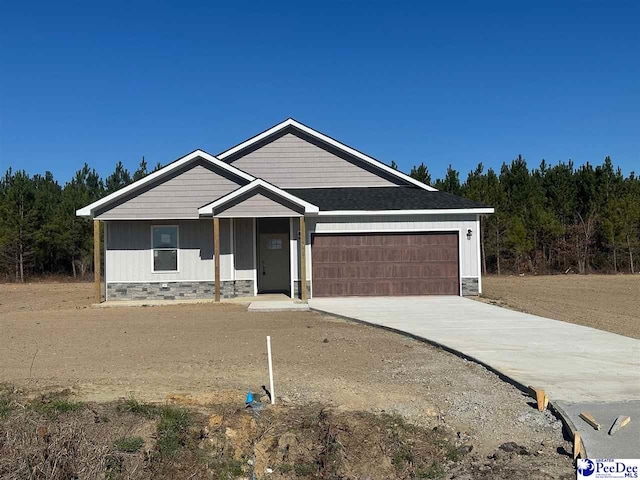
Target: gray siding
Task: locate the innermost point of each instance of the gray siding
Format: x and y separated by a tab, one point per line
256	205
177	197
244	248
291	161
128	253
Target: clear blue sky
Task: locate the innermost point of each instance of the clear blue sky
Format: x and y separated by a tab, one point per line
439	82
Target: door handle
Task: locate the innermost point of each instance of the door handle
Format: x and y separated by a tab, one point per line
264	269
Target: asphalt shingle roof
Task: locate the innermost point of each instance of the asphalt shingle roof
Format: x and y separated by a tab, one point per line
381	198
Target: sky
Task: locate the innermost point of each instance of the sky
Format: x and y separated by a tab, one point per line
436	82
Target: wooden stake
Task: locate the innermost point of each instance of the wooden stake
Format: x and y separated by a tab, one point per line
587	417
620	422
542	399
303	260
577	445
96	261
216	255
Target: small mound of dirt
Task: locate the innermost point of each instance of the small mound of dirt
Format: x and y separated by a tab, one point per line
69	439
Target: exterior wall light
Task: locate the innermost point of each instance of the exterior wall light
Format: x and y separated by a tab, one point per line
469	233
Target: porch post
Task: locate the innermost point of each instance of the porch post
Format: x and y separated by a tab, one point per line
216	256
96	261
303	260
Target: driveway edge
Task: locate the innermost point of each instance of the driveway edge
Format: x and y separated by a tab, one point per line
568	426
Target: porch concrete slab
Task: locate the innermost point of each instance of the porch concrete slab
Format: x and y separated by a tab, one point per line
598	443
277	306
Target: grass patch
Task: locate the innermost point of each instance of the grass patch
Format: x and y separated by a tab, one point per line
112	467
172	430
128	444
131	405
402	456
5	406
230	469
305	469
56	406
450	451
433	471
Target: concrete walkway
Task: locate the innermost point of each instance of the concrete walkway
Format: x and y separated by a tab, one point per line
573	364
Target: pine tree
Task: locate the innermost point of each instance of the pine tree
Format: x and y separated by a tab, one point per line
18	222
421	173
141	172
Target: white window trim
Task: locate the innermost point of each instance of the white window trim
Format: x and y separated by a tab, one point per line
177	249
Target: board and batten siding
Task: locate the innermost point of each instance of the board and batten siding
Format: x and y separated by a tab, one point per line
290	161
178	197
128	252
244	248
256	205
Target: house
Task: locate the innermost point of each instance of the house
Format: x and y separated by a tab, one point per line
287	204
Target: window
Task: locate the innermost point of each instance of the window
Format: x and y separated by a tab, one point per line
274	244
164	240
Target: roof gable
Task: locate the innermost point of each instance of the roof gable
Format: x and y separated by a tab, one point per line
169	172
306	158
259	198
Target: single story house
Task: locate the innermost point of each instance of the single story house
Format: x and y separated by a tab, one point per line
289	210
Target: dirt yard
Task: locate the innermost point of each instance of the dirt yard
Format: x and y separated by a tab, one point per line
606	302
212	354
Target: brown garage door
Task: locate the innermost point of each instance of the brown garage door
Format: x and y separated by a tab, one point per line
385	264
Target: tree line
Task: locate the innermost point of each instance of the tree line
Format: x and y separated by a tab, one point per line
553	218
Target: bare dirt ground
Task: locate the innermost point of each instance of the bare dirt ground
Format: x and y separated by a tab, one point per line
606	302
212	354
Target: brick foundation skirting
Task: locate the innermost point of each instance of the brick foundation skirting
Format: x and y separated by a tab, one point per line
177	290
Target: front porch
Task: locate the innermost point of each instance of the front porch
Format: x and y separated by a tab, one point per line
216	259
249	242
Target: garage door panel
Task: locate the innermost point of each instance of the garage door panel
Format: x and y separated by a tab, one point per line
385	264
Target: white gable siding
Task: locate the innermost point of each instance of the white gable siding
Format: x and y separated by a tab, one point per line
293	162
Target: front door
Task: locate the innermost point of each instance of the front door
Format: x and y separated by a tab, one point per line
273	255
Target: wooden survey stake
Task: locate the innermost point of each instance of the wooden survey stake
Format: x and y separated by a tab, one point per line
620	422
587	417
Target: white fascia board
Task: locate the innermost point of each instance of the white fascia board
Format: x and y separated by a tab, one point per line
330	141
88	210
208	209
455	211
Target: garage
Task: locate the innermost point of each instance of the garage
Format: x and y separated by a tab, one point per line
379	264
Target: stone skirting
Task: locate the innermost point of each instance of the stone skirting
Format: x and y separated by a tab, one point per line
177	290
296	289
469	286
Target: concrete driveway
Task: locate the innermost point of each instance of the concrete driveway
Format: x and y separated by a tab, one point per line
575	365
